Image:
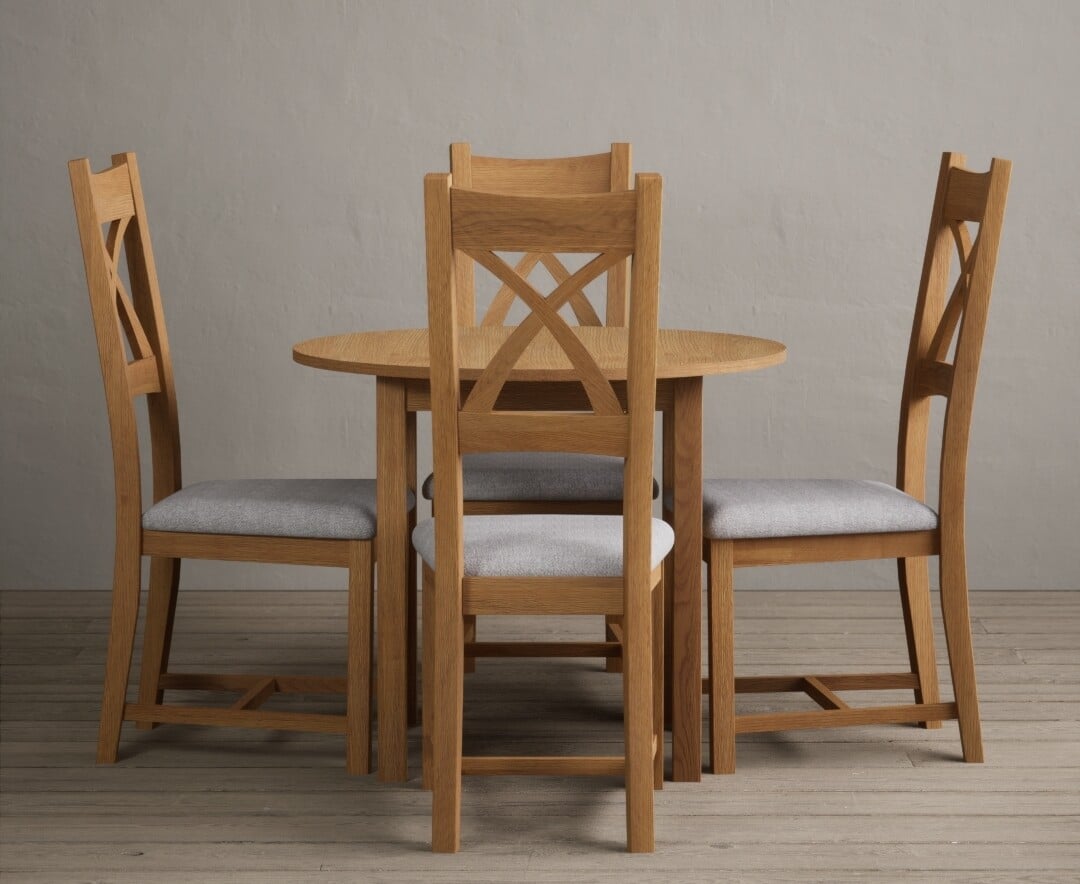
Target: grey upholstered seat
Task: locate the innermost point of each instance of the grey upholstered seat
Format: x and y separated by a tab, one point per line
535	475
543	545
334	509
736	509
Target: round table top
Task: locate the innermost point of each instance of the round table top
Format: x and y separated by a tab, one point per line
403	353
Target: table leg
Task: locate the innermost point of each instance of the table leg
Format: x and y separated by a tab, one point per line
393	576
685	590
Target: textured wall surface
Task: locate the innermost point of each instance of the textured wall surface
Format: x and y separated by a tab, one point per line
282	146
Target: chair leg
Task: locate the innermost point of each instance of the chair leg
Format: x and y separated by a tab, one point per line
411	689
711	657
612	664
658	681
470	636
358	676
721	581
919	624
125	613
638	718
157	635
447	684
957	619
669	657
427	676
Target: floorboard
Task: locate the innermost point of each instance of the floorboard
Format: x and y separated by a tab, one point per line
243	806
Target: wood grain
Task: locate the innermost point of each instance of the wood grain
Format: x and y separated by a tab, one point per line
445	582
960	196
565	176
542	595
403	353
599	173
841	805
133	321
569	175
467	225
394	550
685	584
508	223
544	316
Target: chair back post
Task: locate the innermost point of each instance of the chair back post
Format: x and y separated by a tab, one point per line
118	397
114	197
969	343
560	176
162	409
961	197
464	275
641	394
442	273
617	278
445	631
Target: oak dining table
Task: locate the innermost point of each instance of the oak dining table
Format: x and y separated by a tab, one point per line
543	379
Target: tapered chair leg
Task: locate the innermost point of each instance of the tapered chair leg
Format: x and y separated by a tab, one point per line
412	716
957	620
446	691
358	681
611	664
721	578
638	719
157	634
669	655
427	676
125	614
914	577
658	681
711	653
470	636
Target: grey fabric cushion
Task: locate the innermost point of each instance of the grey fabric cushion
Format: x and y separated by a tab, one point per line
745	508
543	546
338	509
537	475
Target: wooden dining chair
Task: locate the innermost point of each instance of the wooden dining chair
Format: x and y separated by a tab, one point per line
528	481
542	563
327	522
750	522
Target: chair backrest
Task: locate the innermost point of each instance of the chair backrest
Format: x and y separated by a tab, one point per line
955	325
561	176
469	225
132	344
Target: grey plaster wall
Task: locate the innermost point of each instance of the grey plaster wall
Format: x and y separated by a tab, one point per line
282	147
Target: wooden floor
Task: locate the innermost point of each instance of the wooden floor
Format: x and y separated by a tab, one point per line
203	805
